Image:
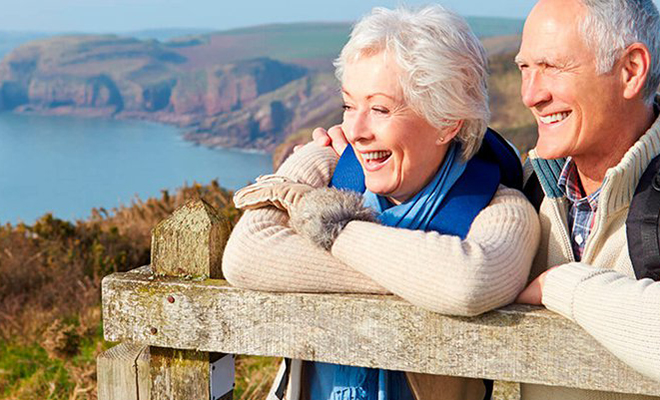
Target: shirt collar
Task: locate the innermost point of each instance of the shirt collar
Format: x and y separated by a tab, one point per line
569	183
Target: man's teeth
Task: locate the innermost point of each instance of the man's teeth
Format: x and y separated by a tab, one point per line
549	119
376	155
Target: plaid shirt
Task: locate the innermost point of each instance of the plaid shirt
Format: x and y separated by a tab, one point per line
582	208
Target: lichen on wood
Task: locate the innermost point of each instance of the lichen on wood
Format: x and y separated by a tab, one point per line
190	242
516	344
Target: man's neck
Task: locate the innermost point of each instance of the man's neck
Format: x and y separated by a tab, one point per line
593	166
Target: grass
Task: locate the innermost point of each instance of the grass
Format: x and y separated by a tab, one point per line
50	275
52	369
254	376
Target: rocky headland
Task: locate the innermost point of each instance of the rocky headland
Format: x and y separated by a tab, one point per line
254	88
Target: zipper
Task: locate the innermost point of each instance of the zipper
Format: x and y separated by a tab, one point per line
594	233
563	218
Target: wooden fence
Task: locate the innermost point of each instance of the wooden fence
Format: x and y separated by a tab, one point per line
176	316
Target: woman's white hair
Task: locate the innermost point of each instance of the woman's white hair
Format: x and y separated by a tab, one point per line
610	26
444	65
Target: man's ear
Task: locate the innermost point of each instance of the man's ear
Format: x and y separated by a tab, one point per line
636	61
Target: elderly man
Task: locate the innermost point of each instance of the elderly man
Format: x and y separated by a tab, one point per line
590	70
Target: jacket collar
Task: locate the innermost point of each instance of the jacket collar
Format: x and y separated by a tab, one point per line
620	181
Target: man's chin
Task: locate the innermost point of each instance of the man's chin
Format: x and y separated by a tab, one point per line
548	152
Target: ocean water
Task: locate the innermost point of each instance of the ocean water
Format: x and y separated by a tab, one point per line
68	165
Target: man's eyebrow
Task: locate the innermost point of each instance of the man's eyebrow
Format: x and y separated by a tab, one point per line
540	61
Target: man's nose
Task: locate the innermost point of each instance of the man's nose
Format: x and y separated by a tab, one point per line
533	90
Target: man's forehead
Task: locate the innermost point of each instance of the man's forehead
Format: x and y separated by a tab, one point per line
550	33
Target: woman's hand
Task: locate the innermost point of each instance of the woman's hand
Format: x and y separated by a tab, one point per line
271	190
333	137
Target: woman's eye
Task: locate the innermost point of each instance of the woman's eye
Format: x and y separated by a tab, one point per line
380	110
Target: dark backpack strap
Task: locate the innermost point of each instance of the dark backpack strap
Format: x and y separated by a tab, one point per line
533	191
497	150
642	224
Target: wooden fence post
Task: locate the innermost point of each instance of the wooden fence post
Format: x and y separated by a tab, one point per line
123	372
187	244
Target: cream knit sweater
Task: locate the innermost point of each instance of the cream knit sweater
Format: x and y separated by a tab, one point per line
441	273
600	293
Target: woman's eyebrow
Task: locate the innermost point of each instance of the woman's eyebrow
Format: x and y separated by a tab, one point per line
346	92
381	94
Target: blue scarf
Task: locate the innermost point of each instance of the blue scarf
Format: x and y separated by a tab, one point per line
417	212
343	382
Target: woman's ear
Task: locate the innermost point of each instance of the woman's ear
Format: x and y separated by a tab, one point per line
636	61
449	132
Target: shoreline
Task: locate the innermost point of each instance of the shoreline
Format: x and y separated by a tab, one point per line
186	124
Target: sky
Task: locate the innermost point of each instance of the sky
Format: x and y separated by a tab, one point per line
130	15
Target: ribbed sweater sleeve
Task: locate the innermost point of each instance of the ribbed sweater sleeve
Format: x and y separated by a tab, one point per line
439	272
264	253
443	273
621	313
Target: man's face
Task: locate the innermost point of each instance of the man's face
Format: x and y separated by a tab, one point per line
575	108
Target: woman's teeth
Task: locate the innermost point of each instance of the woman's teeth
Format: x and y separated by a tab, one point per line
549	119
376	155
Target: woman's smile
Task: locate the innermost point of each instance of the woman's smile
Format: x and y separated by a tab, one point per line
374	160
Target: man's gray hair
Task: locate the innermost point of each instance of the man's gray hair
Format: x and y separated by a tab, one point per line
610	26
443	64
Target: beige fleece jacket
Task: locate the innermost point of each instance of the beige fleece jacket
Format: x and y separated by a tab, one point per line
600	293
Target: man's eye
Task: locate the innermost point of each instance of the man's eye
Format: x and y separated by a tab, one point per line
346	107
548	67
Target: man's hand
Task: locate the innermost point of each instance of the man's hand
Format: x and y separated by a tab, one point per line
533	294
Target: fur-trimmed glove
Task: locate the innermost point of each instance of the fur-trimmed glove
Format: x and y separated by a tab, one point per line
271	190
317	214
323	213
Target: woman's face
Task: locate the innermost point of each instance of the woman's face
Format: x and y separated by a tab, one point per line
398	149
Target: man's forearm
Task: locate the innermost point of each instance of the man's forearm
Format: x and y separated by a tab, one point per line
622	313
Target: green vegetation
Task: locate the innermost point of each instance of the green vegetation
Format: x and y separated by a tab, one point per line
50	274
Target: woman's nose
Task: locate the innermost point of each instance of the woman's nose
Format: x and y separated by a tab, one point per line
357	127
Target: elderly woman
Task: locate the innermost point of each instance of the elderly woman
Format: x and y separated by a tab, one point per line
433	223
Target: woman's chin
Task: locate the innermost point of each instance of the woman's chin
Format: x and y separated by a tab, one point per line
379	191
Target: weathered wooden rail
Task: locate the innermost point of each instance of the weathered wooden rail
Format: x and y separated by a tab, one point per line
189	318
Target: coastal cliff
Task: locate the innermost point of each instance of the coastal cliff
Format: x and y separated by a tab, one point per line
254	88
249	103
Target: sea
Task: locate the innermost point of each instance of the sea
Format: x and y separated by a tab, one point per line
68	165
